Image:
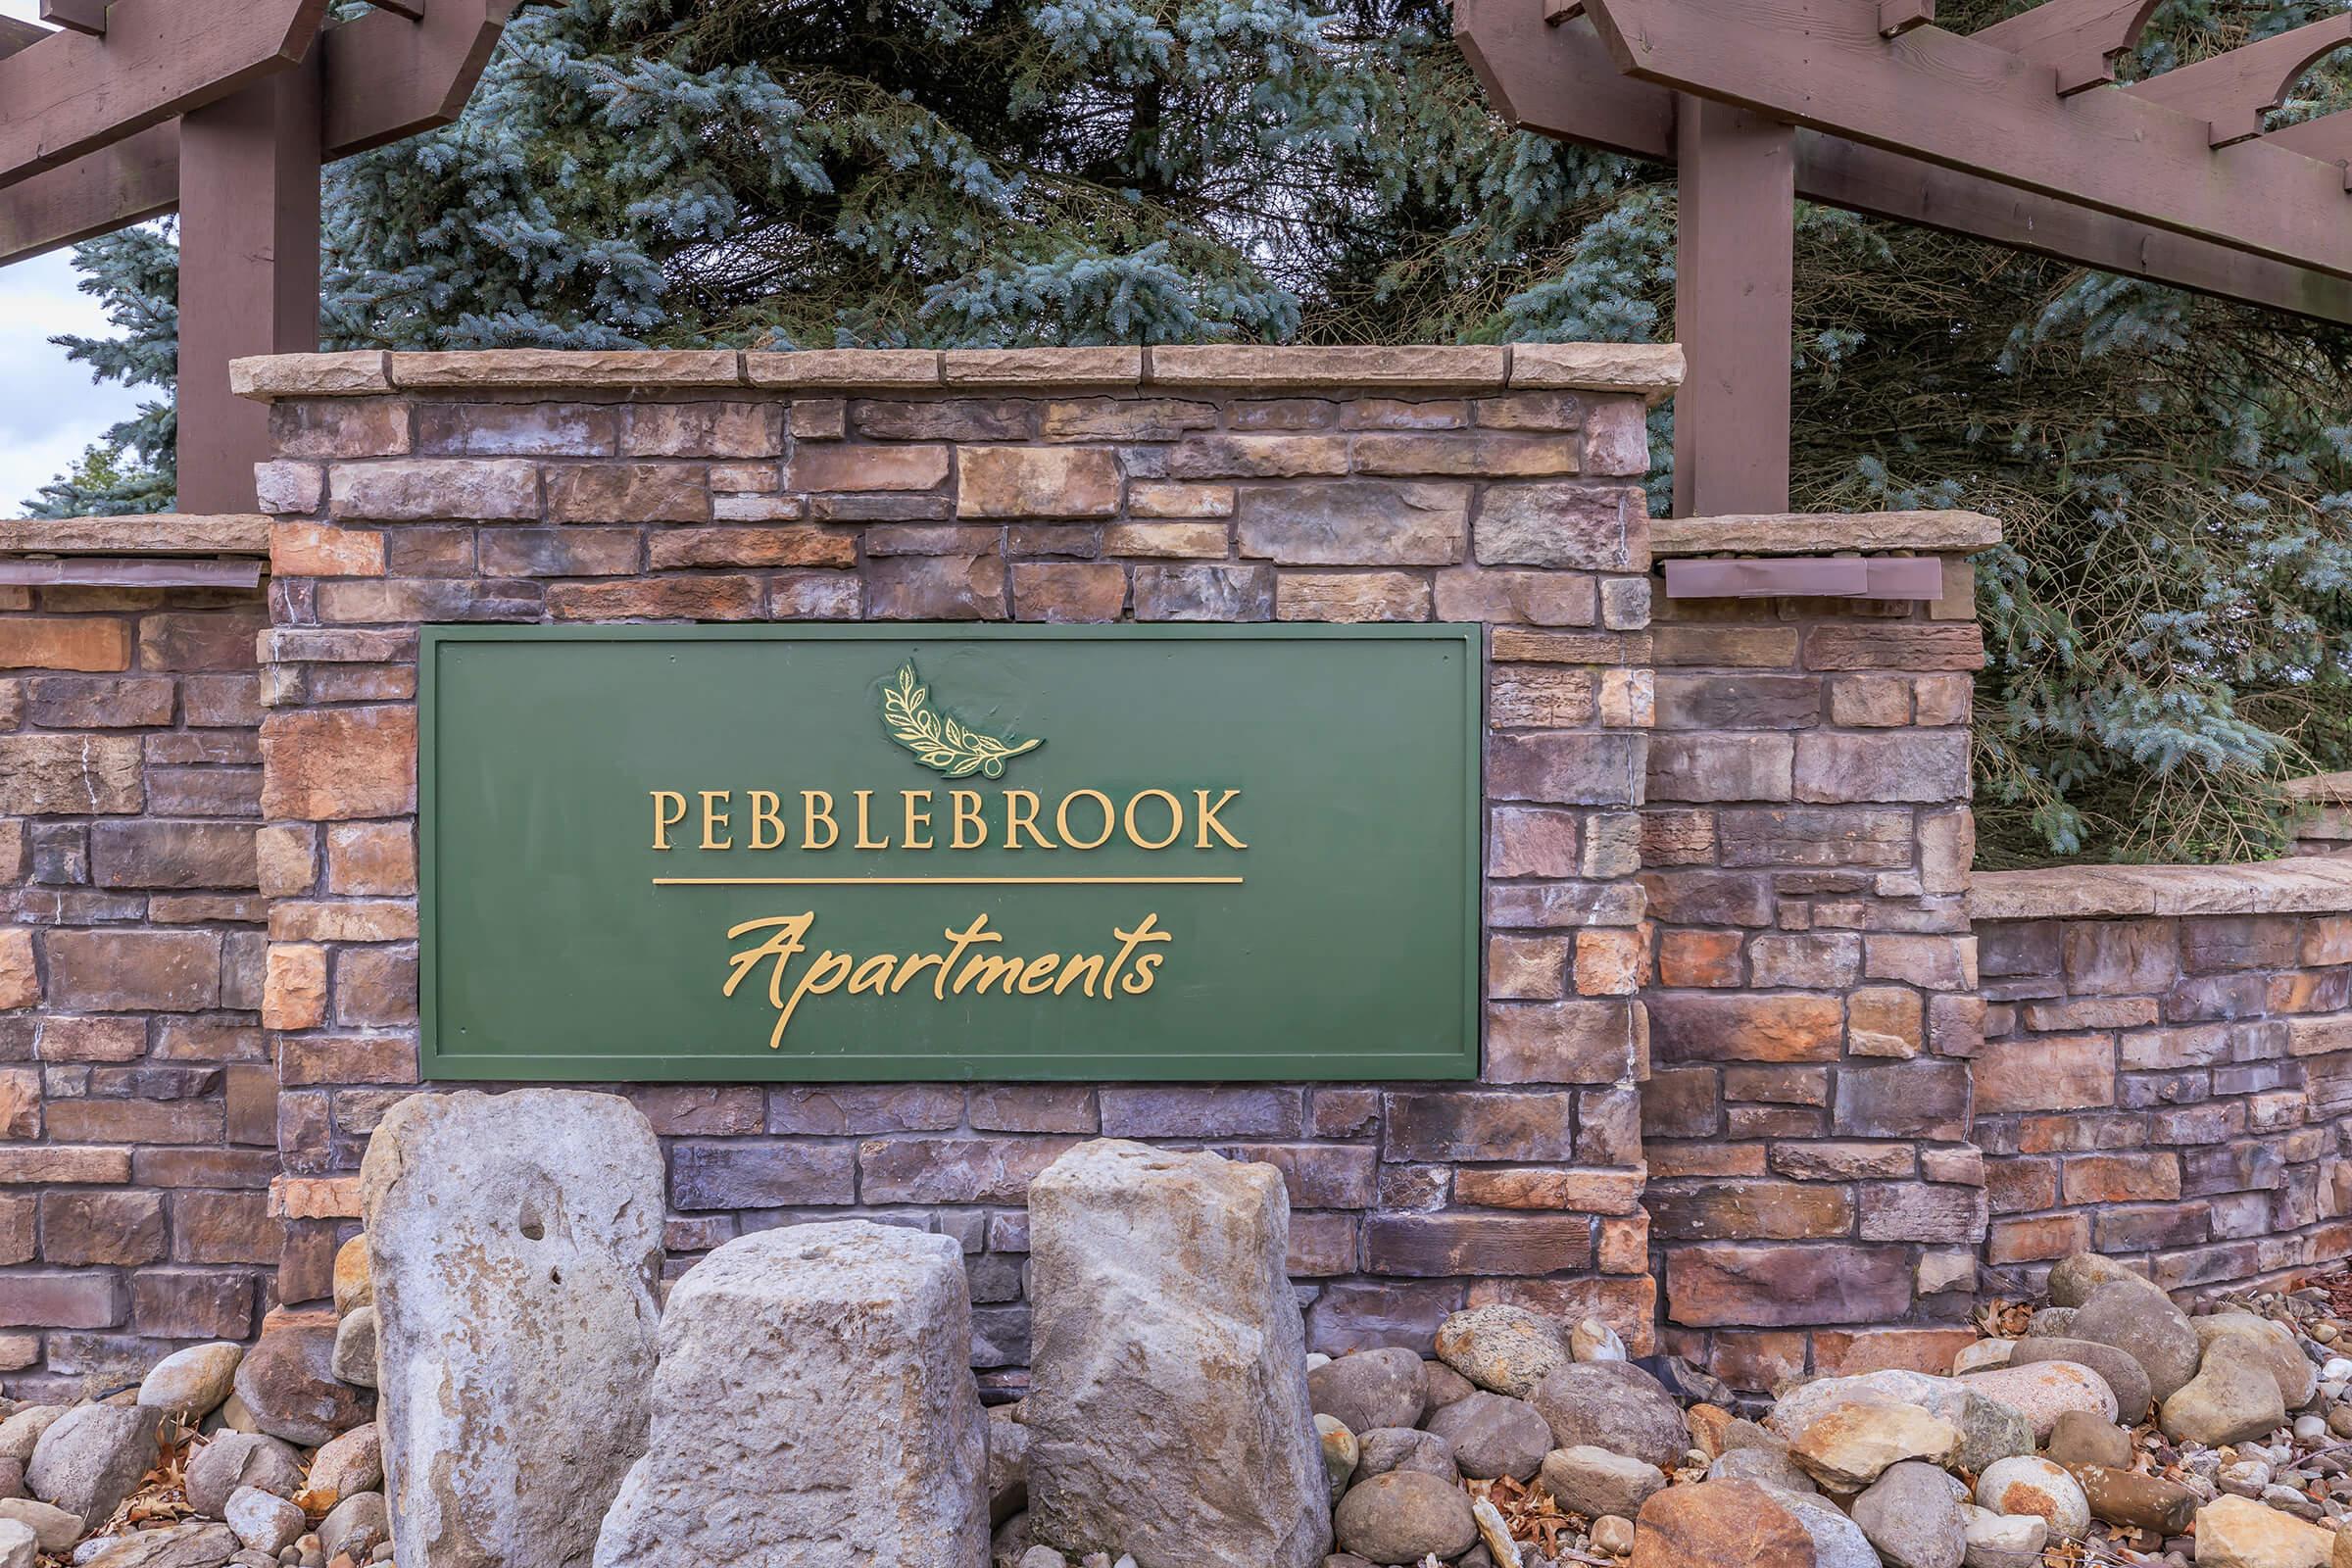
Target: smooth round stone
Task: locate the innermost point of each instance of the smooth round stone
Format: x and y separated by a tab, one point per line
2024	1485
1983	1356
1405	1516
2045	1390
1493	1435
2124	1377
1385	1448
1339	1453
1384	1387
195	1380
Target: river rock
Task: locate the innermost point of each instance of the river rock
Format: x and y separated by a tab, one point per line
1504	1349
354	1526
229	1461
1767	1466
17	1544
1385	1448
2272	1346
1613	1405
515	1240
263	1521
2050	1323
1989	1428
2142	1322
2043	1389
1982	1355
1593	1481
1368	1388
1340	1453
92	1459
852	1432
354	1281
1169	1414
2126	1379
2079	1436
2024	1485
1445	1386
21	1430
2074	1280
2002	1540
194	1380
1912	1516
2233	1532
55	1529
1853	1444
355	1347
1493	1435
1727	1522
1402	1517
2232	1398
289	1384
188	1545
351	1464
2123	1496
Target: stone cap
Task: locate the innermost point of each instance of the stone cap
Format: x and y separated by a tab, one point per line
159	533
2322	789
1647	370
1821	533
2301	885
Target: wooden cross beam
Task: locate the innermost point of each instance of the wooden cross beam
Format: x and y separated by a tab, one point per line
2080	39
2233	91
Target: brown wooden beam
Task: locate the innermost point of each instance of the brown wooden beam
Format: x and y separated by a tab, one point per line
1898	16
1953	101
69	94
1735	248
1559	82
87	16
118	186
2327	137
248	271
16	35
2080	39
2233	91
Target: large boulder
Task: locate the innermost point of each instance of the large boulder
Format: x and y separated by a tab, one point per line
1854	1443
514	1242
1506	1348
1369	1388
289	1384
93	1457
2143	1323
815	1406
1613	1405
1168	1415
1989	1428
1755	1526
2232	1398
2270	1344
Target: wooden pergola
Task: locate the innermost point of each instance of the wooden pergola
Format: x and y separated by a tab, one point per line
2016	134
222	111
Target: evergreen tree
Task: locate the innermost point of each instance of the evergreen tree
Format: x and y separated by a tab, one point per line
2169	617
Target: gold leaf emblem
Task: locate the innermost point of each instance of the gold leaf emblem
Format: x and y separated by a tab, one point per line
937	741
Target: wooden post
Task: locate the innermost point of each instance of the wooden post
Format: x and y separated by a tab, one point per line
248	270
1734	266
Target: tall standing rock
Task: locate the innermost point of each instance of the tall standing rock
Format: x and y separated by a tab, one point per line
1168	1415
515	1242
814	1408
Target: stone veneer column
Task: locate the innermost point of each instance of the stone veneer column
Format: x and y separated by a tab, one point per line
1815	1197
1227	484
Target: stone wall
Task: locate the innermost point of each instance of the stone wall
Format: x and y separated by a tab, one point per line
1087	485
138	1128
2166	1070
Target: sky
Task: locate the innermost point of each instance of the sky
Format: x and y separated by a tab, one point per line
49	408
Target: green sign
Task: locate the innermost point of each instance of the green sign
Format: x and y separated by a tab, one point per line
843	853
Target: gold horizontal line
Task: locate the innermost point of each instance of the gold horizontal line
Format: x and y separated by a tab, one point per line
943	881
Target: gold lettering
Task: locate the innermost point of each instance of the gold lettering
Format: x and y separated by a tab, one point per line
1175	819
917	821
873	975
1091	966
977	931
990	968
916	965
714	820
1018	816
767	827
967	814
1140	981
1129	941
1038	977
865	800
1209	824
1061	818
813	813
663	820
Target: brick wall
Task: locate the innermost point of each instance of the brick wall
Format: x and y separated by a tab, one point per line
2166	1070
1813	1188
137	1131
1229	485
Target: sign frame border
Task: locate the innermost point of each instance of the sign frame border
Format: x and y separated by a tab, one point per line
437	1065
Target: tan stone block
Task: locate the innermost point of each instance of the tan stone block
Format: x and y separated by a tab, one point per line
1204	593
816	595
1947	847
1533	411
1900	645
103	969
1589	526
1526	969
360	427
329	763
1910	765
1036	482
1548	1187
1125	418
370	858
1168	500
727	598
1627	699
1069	591
1699	959
1210	541
1625	603
668	549
93	1040
1403	413
845	370
1705	1027
287	375
294	986
286	855
914	467
1540	697
615	369
1350	597
702	430
1624	1245
1649	371
1613	843
289	488
1725	647
77	774
65	642
343	920
1581	1040
1884	1021
627	492
1354	524
1612	962
819	418
933	539
1110	367
1536	598
19	979
429	489
1933	963
756	478
958	587
1251	367
1944	699
316	550
2045	1072
1257	456
1879	702
1481	455
1514	644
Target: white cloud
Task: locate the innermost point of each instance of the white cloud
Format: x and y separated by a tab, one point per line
49	408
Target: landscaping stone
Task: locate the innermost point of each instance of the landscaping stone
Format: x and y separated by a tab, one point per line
228	1461
1989	1428
2044	1390
852	1435
1593	1481
355	1526
353	1356
2126	1379
92	1457
1493	1435
1445	1386
262	1521
1169	1414
2075	1278
1340	1453
2079	1436
193	1380
515	1242
2271	1345
289	1384
1613	1405
55	1529
2141	1322
351	1464
1740	1522
2002	1540
2129	1497
1504	1349
1385	1448
2025	1485
354	1286
1767	1466
1008	1464
2233	1533
17	1544
1853	1445
2232	1398
1912	1516
195	1545
21	1430
1402	1517
1383	1387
